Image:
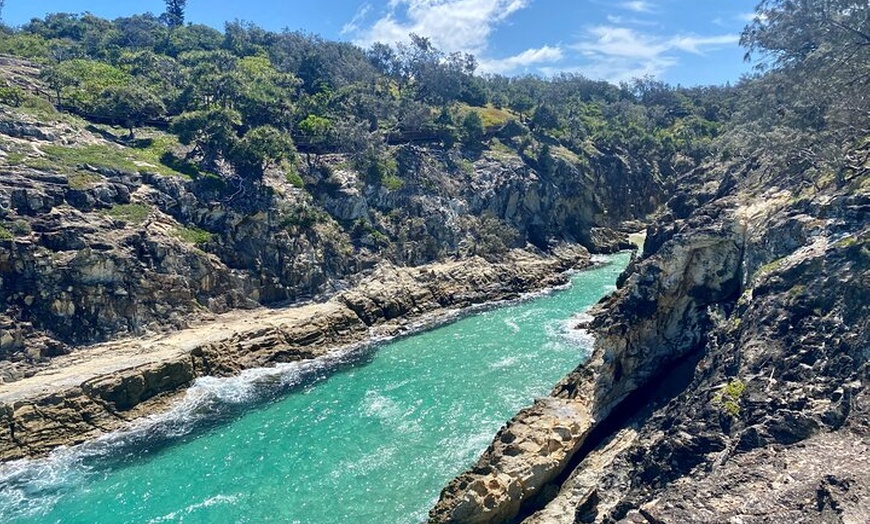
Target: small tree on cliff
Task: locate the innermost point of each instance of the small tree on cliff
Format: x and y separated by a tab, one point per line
132	104
259	149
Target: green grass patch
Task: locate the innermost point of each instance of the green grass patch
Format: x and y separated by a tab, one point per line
465	165
193	235
159	151
502	151
769	268
797	291
492	117
133	214
44	110
73	158
293	178
16	158
5	234
566	154
149	155
847	242
20	227
83	180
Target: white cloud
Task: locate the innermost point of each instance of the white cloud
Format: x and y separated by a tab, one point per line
694	44
611	41
529	57
621	20
638	6
354	25
617	50
452	25
621	53
751	17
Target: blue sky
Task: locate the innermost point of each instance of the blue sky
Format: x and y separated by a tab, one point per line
689	42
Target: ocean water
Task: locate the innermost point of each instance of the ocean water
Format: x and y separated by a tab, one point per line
369	436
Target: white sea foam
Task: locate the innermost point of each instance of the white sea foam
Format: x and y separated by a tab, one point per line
564	334
376	405
580	338
175	516
505	362
29	487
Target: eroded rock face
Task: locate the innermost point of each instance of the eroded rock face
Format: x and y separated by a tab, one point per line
658	317
729	369
90	252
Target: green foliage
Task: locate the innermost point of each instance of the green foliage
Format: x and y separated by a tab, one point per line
545	161
392	182
132	214
40	108
728	398
302	217
472	129
5	234
174	15
545	119
71	160
193	235
493	118
223	90
768	268
494	237
131	104
83	180
293	178
212	132
263	94
80	83
378	167
12	96
32	47
260	148
20	227
315	128
812	102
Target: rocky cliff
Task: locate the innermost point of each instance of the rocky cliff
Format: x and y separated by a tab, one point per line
728	380
102	237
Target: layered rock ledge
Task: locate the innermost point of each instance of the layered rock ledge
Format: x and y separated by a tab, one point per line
97	389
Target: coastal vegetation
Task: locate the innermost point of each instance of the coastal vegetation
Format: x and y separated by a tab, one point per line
251	97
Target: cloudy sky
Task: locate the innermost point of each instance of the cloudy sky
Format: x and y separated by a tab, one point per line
688	42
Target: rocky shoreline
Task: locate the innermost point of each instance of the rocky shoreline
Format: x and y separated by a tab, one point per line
97	389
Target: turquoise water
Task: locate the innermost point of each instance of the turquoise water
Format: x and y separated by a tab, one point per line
368	437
